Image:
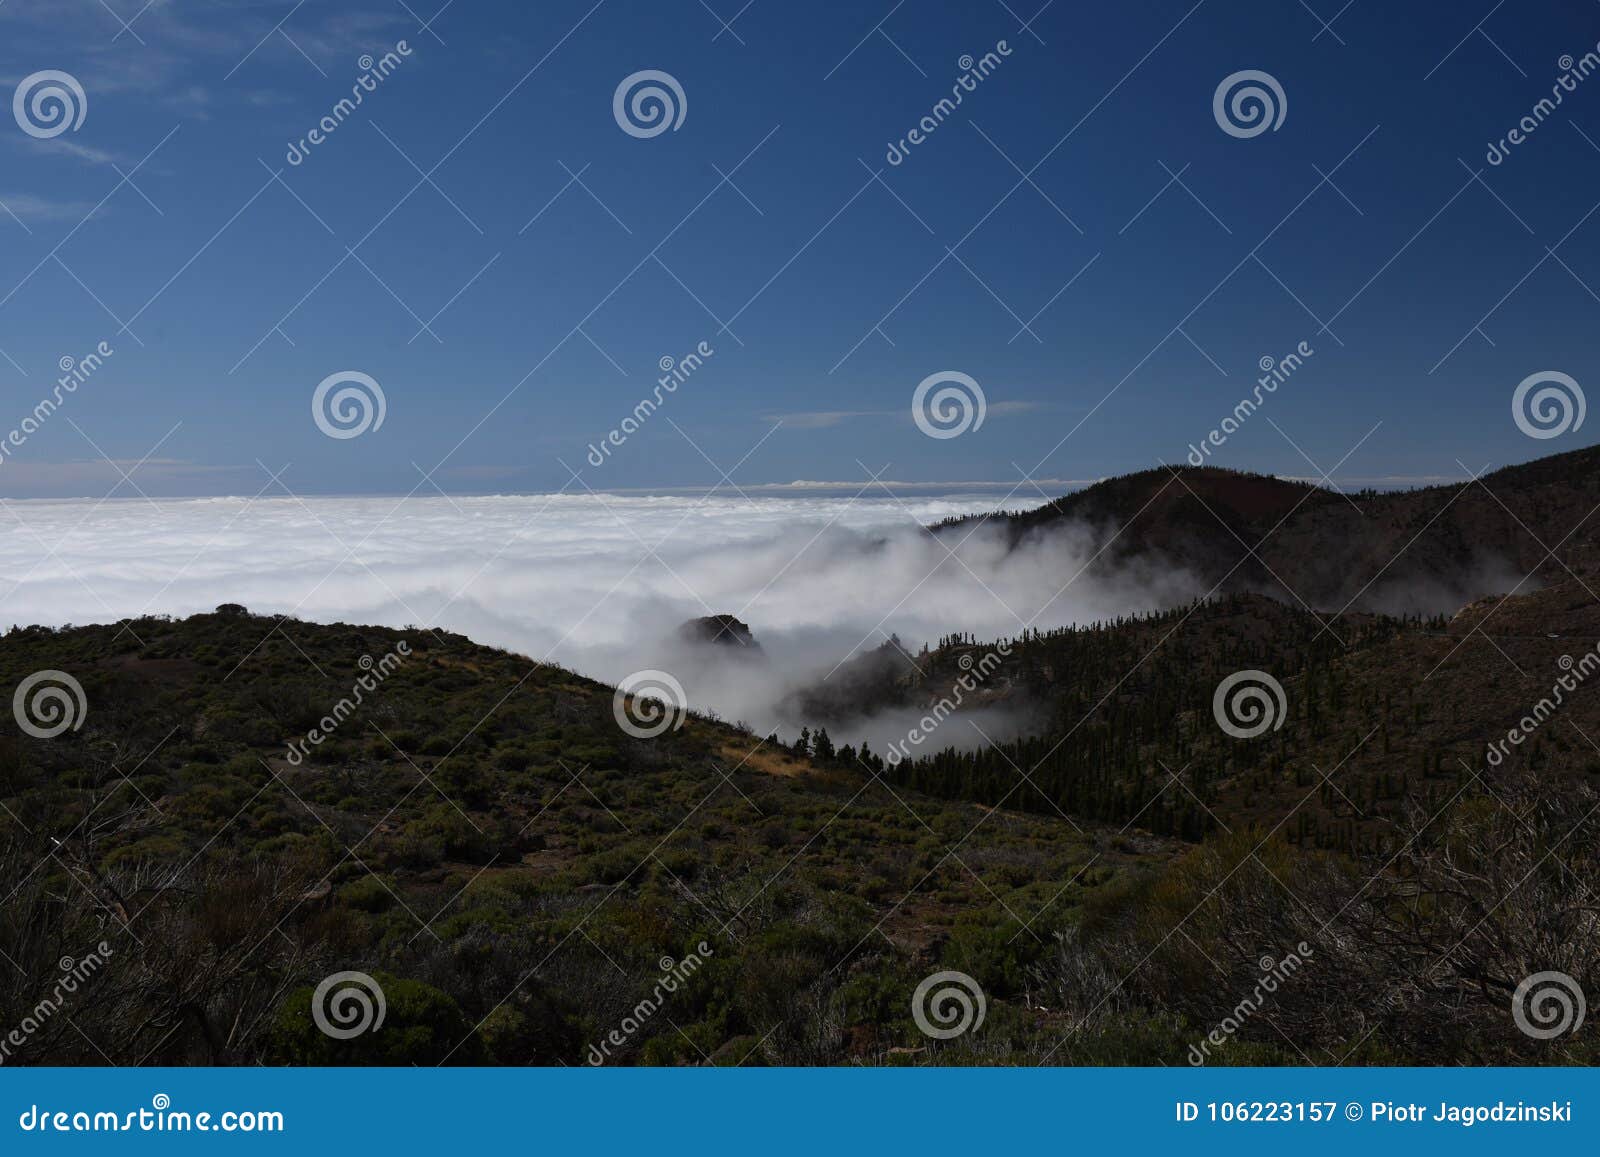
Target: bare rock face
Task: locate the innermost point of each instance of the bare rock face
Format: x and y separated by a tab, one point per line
720	631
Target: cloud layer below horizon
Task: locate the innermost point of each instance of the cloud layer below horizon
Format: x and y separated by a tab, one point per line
599	584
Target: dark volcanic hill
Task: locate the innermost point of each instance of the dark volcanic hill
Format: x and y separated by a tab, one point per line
1429	550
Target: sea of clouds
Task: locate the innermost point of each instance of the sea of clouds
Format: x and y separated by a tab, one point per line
600	584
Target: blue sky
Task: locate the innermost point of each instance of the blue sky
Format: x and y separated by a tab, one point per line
819	286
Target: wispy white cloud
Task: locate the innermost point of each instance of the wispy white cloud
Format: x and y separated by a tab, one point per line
28	207
824	419
72	148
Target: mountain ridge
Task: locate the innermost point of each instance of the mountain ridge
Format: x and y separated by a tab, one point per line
1425	550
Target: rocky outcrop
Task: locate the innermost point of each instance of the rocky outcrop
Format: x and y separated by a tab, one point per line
720	631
